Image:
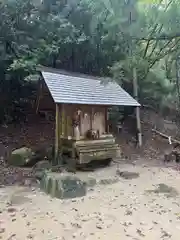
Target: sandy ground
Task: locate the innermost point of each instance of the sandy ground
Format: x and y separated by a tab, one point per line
123	210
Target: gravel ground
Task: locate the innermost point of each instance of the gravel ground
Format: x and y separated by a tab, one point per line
145	207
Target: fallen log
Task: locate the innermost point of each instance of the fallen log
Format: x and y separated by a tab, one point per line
165	136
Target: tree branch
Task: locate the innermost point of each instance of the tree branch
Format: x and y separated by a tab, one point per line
161	49
148	43
158	38
156	43
159	58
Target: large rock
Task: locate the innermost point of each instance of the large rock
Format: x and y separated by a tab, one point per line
40	167
42	153
62	186
21	157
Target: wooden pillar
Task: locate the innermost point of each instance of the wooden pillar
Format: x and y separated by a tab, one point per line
80	123
57	131
62	121
68	126
39	95
135	86
106	120
139	133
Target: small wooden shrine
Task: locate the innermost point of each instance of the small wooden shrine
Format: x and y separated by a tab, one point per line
81	121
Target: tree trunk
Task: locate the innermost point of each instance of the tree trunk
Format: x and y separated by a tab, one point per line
135	87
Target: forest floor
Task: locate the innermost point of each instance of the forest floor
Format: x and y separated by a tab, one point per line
144	207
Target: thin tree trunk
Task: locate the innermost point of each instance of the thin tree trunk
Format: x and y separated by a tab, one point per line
135	89
138	121
177	82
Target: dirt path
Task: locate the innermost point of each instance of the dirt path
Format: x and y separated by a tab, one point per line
129	209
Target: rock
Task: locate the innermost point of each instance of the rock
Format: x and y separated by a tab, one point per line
76	225
27	157
62	186
30	236
99	226
40	167
128	212
176	153
57	168
2	230
169	157
43	153
75	209
165	234
127	175
11	210
140	233
21	157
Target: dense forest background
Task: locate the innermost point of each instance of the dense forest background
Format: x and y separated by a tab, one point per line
104	37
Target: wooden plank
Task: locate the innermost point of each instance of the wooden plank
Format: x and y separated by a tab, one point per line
57	133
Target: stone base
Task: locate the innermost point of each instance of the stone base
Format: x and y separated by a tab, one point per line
62	185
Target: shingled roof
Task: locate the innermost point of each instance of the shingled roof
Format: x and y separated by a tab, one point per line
82	89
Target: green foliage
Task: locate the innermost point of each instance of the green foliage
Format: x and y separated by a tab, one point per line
96	37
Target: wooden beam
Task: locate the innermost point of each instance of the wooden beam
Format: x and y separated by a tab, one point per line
40	91
57	132
80	122
62	120
106	120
